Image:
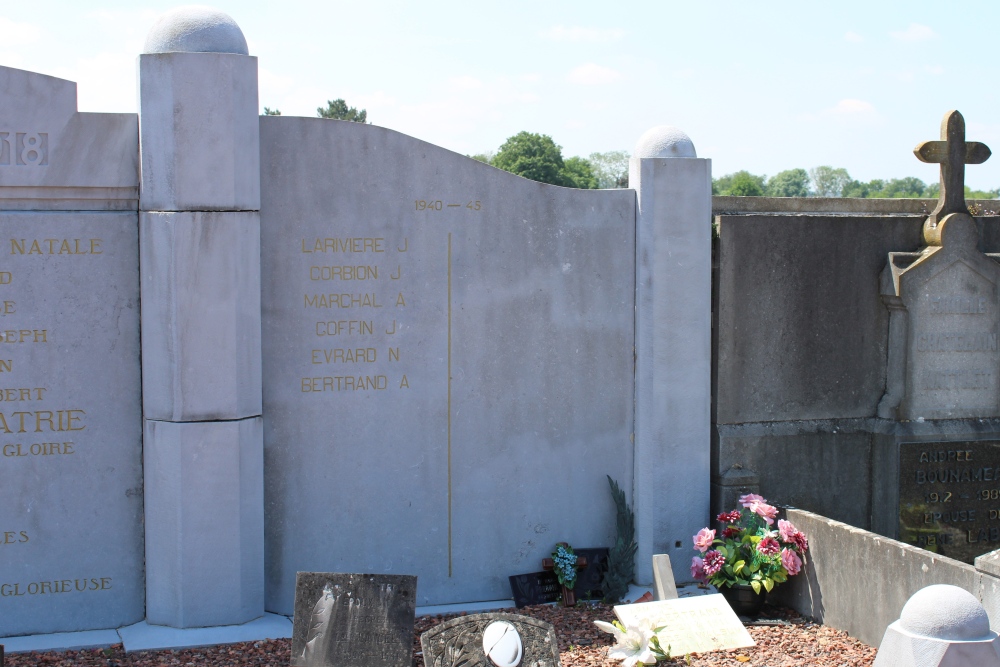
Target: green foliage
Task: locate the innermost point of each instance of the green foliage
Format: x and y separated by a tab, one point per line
980	194
739	184
268	111
788	183
580	173
533	156
486	157
610	168
621	557
564	564
829	182
339	110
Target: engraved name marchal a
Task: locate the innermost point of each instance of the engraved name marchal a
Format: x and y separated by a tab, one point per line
949	497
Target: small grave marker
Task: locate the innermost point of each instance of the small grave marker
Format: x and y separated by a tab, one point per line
353	620
483	640
663	578
690	625
568	594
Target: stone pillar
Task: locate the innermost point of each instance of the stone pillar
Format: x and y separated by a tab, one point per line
673	286
199	226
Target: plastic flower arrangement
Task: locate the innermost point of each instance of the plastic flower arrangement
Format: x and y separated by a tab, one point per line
748	551
635	644
565	565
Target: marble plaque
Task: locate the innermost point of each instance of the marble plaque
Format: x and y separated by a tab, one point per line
353	620
696	624
438	337
71	540
489	640
949	497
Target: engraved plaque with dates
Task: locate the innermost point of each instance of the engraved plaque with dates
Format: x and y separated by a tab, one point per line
949	497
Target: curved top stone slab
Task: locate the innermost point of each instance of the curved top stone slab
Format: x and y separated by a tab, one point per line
664	141
196	29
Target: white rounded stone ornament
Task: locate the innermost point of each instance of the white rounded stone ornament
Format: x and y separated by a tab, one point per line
664	141
948	612
196	29
502	644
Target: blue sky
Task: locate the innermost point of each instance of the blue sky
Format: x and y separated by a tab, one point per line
757	86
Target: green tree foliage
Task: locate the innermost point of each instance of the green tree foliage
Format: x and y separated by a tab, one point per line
486	157
829	182
533	156
610	168
268	111
977	194
580	173
788	183
621	556
537	157
339	110
739	184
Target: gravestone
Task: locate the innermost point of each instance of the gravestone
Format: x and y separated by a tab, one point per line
491	640
944	364
535	588
71	540
353	620
663	578
690	625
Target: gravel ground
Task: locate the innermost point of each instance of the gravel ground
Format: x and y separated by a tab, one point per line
581	644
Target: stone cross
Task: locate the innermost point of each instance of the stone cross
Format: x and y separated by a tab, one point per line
952	153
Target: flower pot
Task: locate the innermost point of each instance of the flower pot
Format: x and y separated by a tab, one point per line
568	597
743	599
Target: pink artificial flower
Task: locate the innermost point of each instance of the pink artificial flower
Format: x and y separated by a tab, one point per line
729	517
713	562
786	530
703	540
698	568
791	561
799	540
751	499
769	546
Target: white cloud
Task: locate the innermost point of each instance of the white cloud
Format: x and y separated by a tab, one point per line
465	82
577	33
592	74
18	34
935	69
852	36
914	33
852	107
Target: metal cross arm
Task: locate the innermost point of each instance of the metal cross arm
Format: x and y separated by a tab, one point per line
953	152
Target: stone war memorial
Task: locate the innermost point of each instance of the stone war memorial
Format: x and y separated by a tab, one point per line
262	367
236	348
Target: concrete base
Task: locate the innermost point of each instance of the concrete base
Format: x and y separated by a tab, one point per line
901	648
60	641
145	637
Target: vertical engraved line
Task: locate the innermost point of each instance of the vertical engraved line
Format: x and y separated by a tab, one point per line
449	406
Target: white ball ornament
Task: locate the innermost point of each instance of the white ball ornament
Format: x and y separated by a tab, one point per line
502	644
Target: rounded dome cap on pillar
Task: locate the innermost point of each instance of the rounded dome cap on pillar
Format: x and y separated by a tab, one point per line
664	141
945	612
196	29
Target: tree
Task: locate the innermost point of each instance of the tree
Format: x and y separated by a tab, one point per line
533	156
339	110
268	111
788	183
829	182
610	168
740	184
486	157
580	173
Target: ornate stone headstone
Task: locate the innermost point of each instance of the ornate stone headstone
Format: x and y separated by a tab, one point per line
944	362
491	640
353	620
